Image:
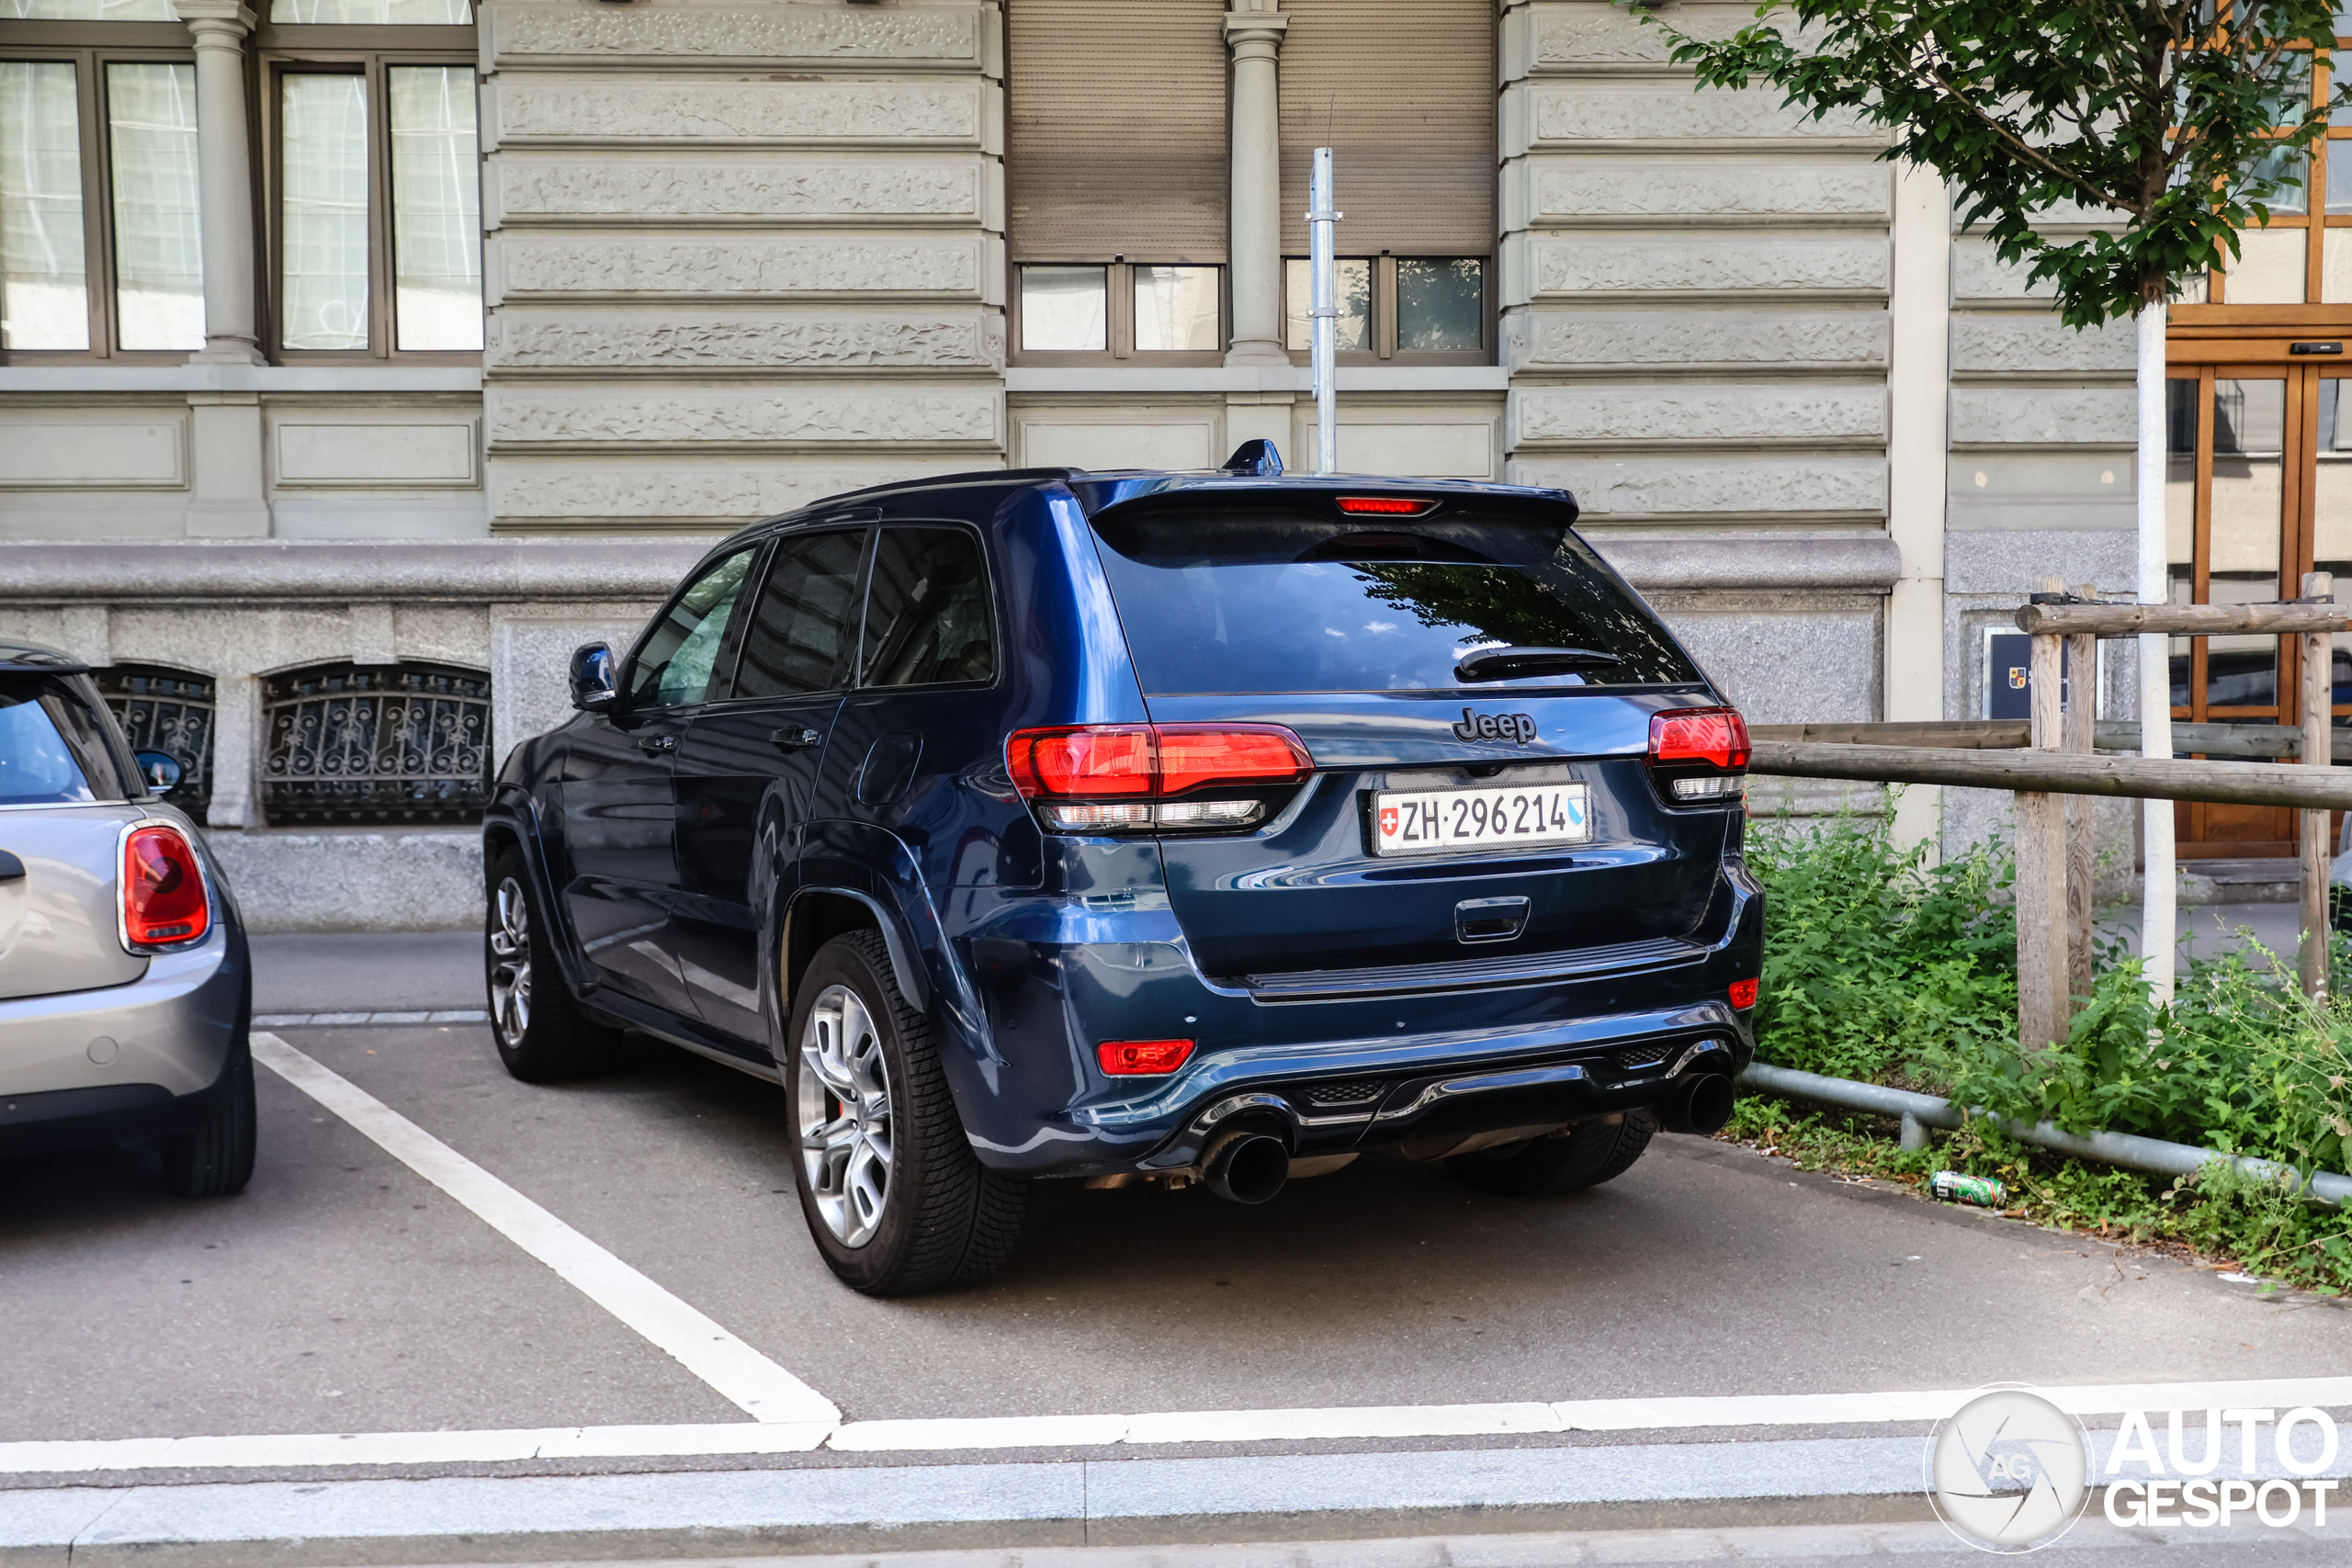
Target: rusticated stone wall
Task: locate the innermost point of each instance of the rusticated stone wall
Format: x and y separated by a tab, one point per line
1695	292
738	256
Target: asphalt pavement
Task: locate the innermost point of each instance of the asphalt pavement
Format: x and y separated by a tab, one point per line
352	1291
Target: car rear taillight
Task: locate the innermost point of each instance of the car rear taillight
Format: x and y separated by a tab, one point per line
1743	994
1110	778
165	903
1700	755
1142	1058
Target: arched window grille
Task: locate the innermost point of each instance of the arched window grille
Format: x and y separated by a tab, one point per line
167	710
353	743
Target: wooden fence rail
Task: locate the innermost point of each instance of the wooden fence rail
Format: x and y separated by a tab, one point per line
2108	735
2051	763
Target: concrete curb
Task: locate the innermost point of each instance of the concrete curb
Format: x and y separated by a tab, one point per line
353	1524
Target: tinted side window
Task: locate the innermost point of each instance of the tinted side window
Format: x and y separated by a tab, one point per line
927	619
800	640
52	749
677	664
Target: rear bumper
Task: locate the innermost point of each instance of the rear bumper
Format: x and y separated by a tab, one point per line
133	1061
1432	1060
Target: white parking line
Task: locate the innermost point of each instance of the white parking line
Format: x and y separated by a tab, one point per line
274	1452
744	1376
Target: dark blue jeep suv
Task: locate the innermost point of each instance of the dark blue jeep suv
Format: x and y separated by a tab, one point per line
1199	827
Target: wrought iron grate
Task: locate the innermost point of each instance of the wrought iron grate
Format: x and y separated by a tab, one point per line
167	710
351	743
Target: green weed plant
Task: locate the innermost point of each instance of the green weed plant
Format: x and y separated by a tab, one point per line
1883	967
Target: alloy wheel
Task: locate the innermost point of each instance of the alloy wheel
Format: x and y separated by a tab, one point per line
843	1110
509	961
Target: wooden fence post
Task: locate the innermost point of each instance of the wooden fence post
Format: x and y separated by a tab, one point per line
2318	692
2081	715
2040	885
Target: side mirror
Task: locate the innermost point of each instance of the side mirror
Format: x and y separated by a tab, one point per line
161	771
593	690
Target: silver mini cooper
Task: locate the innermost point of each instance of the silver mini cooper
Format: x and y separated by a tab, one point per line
126	989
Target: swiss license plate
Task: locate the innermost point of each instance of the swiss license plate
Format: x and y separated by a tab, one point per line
1430	822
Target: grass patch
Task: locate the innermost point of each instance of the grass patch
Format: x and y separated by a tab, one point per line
1882	967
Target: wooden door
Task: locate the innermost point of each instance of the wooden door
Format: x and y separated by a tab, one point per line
2258	490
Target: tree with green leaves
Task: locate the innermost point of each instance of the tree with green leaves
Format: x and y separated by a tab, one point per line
2161	128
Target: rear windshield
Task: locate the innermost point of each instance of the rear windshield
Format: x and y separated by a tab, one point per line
1280	600
51	751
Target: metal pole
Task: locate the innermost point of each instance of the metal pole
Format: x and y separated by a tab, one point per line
2159	884
1320	217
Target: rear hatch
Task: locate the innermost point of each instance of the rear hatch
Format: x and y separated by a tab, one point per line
58	840
1462	808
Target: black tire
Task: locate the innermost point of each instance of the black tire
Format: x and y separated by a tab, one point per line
944	1219
215	1157
541	1033
1589	1154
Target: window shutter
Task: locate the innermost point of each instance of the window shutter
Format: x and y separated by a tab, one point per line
1116	129
1403	92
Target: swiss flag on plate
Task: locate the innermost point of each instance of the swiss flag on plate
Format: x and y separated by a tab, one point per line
1388	819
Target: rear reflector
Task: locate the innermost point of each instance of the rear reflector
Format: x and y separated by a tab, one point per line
1714	736
1116	761
1743	994
164	900
1142	1058
1384	506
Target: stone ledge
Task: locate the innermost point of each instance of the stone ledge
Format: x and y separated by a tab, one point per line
471	571
355	878
1872	561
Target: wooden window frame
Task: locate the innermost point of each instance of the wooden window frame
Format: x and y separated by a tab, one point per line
1119	318
1384	350
89	48
2315	221
289	49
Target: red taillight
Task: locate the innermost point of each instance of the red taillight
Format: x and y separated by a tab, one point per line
164	902
1743	994
1716	736
1108	760
1384	506
1142	1058
1190	758
1101	760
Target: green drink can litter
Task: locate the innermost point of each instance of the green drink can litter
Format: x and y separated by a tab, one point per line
1981	1191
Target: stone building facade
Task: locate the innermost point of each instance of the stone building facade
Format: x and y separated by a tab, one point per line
738	254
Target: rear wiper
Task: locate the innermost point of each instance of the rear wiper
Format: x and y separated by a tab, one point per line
1502	663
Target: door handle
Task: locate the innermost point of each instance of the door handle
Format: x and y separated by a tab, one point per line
658	743
795	737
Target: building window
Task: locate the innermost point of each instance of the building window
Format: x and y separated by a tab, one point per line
375	213
1405	307
1118	309
348	743
371	212
2304	256
167	710
99	251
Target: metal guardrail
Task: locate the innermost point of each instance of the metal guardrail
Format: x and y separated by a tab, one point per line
2109	1148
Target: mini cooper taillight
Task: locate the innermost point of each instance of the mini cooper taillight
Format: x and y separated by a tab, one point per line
165	903
1699	756
1115	778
